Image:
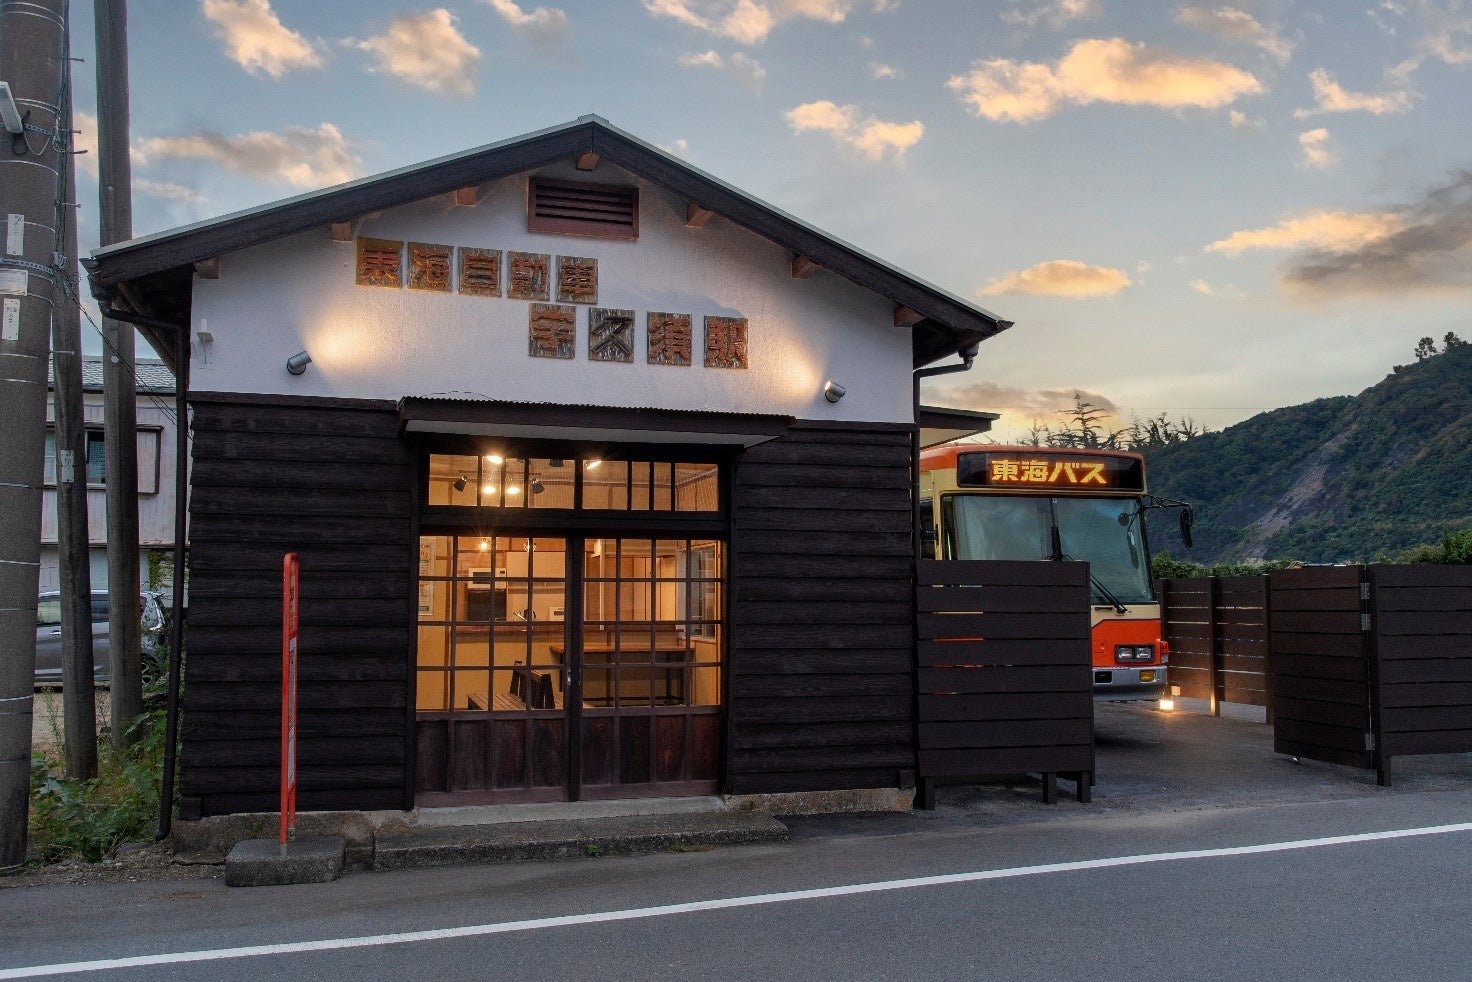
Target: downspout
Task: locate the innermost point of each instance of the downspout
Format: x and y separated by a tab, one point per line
181	518
968	358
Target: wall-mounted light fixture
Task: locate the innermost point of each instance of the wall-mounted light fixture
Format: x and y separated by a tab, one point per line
460	483
537	486
833	392
298	362
9	115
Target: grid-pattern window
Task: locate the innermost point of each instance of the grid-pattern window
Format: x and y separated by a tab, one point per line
490	623
493	480
651	622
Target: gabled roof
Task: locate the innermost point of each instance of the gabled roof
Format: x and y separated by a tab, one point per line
149	278
150	377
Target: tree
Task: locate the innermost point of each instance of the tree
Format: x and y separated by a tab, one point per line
1083	427
1161	431
1425	348
1452	341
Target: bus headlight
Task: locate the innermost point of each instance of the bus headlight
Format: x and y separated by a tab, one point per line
1134	652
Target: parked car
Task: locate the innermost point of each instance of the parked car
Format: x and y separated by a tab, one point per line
48	634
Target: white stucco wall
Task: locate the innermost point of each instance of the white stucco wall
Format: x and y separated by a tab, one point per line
379	343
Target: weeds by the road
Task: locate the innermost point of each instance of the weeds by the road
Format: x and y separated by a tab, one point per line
89	819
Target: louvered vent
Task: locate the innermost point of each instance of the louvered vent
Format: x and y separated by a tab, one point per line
607	211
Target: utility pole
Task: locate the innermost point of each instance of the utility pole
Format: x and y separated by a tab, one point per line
32	60
119	385
73	559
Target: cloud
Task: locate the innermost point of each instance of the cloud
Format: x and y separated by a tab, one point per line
749	21
426	50
167	190
255	38
1111	70
874	138
545	27
86	140
1241	121
1440	30
1334	230
1317	154
1429	251
883	72
1230	292
746	70
1331	97
1237	25
1054	13
1060	278
1030	402
298	156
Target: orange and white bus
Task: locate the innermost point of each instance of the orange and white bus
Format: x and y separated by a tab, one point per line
1031	503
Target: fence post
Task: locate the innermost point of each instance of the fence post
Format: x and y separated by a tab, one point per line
1370	648
1213	607
1269	676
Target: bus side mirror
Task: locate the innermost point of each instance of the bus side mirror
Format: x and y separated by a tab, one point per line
1188	518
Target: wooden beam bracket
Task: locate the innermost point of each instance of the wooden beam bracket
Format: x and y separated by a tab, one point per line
803	267
208	269
587	160
905	317
465	197
342	231
696	216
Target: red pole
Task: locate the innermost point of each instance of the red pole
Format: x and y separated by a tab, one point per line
290	596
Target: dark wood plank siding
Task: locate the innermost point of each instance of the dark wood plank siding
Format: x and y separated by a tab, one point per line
821	673
1321	665
333	483
1422	620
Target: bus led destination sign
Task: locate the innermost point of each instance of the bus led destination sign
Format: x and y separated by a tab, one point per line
1042	470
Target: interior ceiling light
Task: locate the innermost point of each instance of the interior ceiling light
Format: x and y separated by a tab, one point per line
493	458
488	489
460	483
513	490
485	546
592	465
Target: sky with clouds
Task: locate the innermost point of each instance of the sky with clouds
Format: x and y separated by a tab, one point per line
1203	209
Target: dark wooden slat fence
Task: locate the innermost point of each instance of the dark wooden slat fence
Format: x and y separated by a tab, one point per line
1356	664
1217	629
1321	665
1421	623
1004	676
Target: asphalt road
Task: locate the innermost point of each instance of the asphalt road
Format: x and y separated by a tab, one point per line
1394	908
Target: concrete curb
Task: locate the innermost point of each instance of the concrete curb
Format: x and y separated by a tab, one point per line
513	842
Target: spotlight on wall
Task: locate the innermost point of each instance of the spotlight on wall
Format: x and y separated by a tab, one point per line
833	392
298	362
460	483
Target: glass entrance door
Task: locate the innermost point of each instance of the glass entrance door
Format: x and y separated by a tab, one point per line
551	668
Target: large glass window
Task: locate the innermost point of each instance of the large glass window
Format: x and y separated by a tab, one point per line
1104	532
494	480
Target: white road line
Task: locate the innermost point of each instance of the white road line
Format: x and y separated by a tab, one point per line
569	920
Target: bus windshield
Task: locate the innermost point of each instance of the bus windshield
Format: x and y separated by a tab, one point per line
1104	532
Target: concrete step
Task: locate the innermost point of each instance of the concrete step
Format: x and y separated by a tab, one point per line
511	842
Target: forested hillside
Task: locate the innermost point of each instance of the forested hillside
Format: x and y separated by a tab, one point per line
1348	478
